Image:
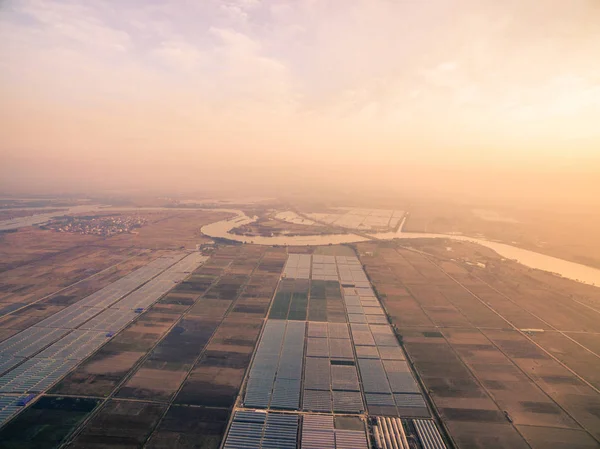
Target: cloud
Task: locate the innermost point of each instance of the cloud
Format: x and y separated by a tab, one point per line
235	13
245	4
180	55
308	71
447	66
235	41
444	74
73	23
248	75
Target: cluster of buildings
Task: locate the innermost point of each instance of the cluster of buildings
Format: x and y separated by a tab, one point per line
103	226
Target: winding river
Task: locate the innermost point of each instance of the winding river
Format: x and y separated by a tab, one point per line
220	229
570	270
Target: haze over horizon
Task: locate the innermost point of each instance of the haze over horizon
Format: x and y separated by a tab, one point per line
492	98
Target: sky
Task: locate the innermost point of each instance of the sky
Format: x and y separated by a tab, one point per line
183	93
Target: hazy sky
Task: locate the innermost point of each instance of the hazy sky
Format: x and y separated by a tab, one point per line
112	91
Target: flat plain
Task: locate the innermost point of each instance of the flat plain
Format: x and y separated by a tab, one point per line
566	232
192	346
509	355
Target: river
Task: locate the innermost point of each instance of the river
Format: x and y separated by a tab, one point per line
570	270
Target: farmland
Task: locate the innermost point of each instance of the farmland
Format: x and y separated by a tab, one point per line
191	347
509	358
42	269
328	358
139	340
271	226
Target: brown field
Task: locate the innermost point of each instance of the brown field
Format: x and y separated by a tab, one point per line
191	348
101	373
190	428
37	245
36	290
494	383
36	263
120	424
168	230
271	226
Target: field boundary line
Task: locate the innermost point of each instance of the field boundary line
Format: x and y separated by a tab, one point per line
77	431
532	341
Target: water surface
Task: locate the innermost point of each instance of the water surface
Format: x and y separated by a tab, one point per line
529	258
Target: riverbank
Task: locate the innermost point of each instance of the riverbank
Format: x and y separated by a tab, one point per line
567	269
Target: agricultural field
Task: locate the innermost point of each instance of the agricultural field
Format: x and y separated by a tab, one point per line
328	357
168	230
371	220
190	346
509	355
34	290
38	266
270	226
139	340
31	244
